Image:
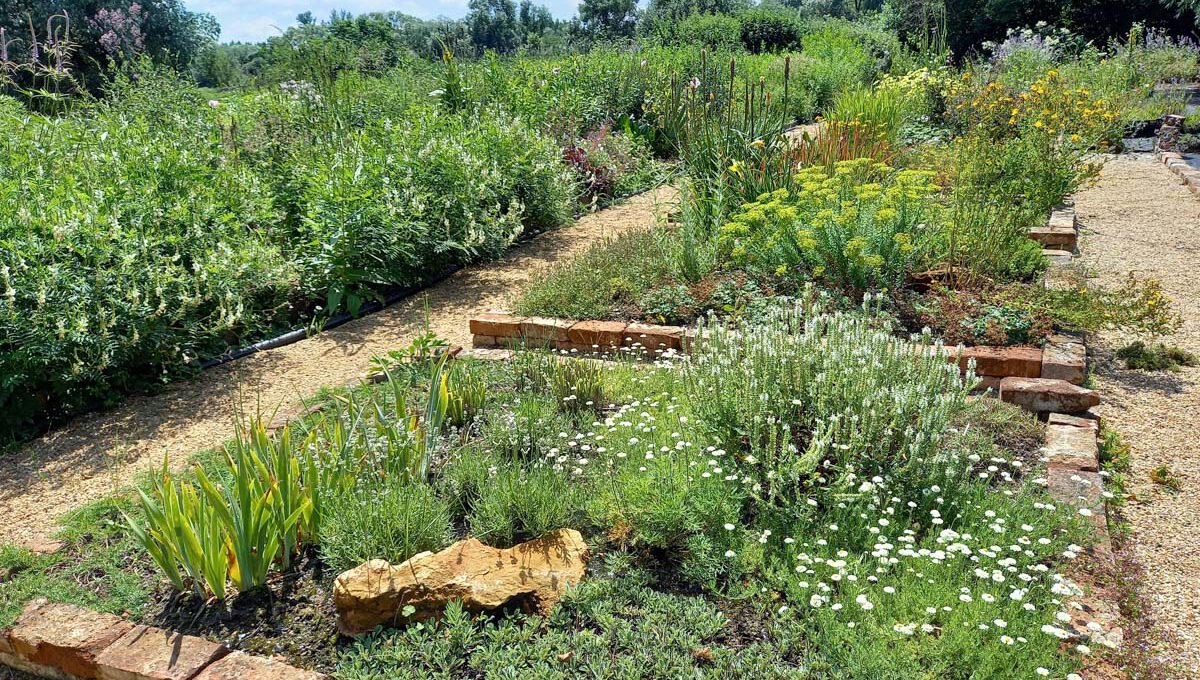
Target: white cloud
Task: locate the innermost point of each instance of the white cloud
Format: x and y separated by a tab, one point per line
252	21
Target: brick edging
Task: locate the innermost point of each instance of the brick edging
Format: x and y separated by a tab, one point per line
1072	477
1038	379
65	641
1188	175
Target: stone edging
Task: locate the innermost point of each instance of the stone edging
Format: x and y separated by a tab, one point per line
1188	175
1072	477
64	642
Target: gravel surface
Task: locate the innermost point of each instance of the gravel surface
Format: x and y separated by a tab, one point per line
98	453
1139	218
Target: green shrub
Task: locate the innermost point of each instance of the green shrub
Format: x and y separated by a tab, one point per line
390	520
859	228
714	31
520	504
768	30
1140	356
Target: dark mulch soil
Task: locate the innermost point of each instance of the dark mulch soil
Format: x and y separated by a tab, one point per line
292	617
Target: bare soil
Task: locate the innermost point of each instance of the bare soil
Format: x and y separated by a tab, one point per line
102	452
1139	218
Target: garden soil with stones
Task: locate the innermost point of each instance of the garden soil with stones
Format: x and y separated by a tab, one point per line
1139	218
99	453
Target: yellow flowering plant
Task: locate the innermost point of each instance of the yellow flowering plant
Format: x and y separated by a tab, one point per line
858	227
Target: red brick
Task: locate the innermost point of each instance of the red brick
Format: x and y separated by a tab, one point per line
1003	362
242	666
543	331
64	636
654	337
1047	395
497	325
146	653
597	333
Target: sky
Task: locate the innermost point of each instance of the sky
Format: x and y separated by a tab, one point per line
256	20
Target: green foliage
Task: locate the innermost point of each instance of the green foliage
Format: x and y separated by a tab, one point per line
383	519
860	228
100	566
260	509
715	31
574	385
769	30
1139	356
605	276
519	504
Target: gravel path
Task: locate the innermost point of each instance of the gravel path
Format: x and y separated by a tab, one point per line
1139	218
101	452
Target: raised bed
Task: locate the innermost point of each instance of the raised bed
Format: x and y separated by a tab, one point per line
64	641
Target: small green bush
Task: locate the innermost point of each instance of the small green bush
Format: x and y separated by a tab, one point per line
390	520
518	505
1140	356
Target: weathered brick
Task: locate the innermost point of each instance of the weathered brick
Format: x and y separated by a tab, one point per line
1074	421
242	666
1065	358
544	331
1002	362
1055	237
147	653
1047	395
1071	448
1064	218
64	636
987	382
1059	257
1078	488
654	337
597	333
486	341
497	325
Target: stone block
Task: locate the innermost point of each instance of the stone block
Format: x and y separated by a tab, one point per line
539	331
147	653
1002	362
532	575
1073	421
1065	358
1059	257
601	334
1071	448
1054	237
654	338
487	341
497	325
1047	395
242	666
64	636
1063	219
1078	488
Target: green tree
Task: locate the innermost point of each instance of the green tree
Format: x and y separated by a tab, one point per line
494	25
608	19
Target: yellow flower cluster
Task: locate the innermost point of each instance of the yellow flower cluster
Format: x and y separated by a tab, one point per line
1049	106
855	223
